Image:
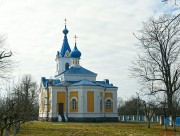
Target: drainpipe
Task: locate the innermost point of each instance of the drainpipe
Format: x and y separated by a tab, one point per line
66	101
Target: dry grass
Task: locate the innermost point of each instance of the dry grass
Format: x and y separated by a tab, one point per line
92	129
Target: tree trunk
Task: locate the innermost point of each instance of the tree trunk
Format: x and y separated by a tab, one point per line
1	134
174	125
165	126
7	131
169	101
148	123
16	128
171	111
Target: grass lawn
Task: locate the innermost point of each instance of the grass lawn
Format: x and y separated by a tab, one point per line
93	129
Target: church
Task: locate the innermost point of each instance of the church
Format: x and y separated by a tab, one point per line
74	94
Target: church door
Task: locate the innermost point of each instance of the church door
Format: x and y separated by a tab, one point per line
61	108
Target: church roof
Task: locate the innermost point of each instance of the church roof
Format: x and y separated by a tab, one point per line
65	46
77	70
49	82
84	83
104	84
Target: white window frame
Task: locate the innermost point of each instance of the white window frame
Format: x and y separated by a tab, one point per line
74	101
108	104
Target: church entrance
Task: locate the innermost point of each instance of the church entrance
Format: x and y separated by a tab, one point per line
61	108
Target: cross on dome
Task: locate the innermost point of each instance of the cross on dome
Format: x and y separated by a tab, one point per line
65	20
65	31
65	46
75	37
75	53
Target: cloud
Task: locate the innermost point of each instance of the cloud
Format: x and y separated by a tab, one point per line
104	28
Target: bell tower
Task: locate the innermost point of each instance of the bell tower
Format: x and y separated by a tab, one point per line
63	60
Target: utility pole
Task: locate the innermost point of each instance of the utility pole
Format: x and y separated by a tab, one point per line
137	106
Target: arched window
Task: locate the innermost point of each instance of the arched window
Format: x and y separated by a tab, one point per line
73	104
108	104
101	105
66	66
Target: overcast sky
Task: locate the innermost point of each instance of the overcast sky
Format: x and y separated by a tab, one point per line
105	29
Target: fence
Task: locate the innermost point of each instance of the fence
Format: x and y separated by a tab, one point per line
141	118
135	118
177	122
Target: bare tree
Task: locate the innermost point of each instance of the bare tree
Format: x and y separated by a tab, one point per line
129	107
149	109
6	62
26	97
120	105
174	2
20	106
159	61
6	66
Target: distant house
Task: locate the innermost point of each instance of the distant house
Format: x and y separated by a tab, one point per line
74	94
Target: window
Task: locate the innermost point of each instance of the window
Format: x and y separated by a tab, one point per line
66	66
108	104
73	104
101	105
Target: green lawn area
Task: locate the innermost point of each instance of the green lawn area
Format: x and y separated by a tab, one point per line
92	129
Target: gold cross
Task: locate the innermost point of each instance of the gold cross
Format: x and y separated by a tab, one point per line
65	21
75	37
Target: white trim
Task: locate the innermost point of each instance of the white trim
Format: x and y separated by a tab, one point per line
108	98
74	98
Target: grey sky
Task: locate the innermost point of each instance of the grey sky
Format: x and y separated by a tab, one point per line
104	27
